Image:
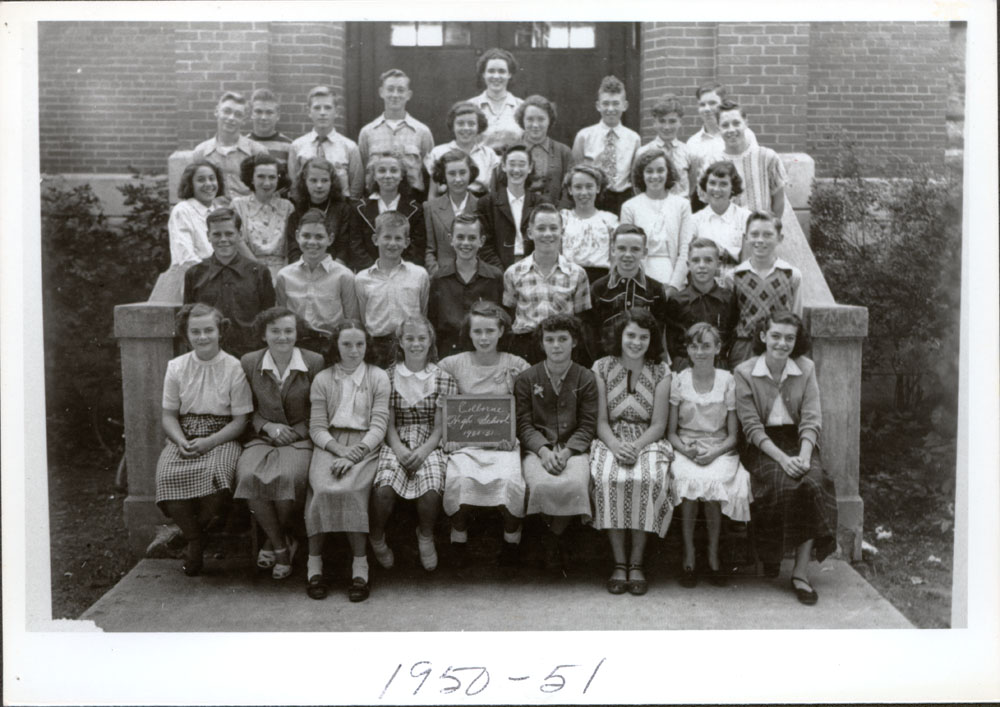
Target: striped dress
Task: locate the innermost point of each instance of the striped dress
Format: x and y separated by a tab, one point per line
638	497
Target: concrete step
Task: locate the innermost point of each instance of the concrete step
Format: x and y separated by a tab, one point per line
233	596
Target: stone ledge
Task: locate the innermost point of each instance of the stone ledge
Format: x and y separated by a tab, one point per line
145	320
837	321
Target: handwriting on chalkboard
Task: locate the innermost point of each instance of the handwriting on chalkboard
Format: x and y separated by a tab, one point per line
479	420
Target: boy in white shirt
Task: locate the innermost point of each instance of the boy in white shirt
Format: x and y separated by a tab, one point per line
324	141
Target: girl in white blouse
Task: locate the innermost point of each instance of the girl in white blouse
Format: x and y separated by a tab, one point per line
201	188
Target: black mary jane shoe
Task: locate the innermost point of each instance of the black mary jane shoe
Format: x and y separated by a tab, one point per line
772	569
618	586
805	596
193	558
636	587
688	578
316	587
359	589
717	578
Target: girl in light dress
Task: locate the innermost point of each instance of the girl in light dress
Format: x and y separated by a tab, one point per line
263	213
794	499
702	430
349	413
485	477
586	230
630	459
411	464
724	222
202	188
206	403
466	123
665	217
274	466
497	68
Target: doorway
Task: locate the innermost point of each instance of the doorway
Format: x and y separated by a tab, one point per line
563	61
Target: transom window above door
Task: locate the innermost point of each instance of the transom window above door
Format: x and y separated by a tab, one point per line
554	35
431	34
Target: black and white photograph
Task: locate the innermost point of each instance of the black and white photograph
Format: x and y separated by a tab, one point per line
363	353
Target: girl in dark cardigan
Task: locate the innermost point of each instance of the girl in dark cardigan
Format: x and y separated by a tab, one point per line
319	188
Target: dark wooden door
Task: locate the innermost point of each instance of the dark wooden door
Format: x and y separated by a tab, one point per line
561	61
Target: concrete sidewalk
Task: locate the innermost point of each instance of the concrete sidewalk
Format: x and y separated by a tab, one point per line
230	596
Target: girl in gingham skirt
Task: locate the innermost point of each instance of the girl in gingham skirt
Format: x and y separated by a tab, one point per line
411	465
206	404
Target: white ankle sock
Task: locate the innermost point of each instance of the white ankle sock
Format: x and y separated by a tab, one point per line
359	568
314	565
514	537
459	536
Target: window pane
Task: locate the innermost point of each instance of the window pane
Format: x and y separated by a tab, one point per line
523	35
457	34
557	35
430	34
581	35
404	34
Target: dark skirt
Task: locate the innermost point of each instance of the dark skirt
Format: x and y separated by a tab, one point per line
786	512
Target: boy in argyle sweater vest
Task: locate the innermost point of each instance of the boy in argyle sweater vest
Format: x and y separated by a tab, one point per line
763	283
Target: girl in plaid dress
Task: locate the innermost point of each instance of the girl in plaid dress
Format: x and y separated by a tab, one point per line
629	459
410	464
206	403
794	500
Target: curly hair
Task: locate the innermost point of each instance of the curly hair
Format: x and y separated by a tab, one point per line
331	355
560	322
698	331
272	314
646	159
185	190
592	171
536	101
371	184
783	316
466	108
251	163
488	310
300	192
723	168
399	354
497	53
643	319
437	174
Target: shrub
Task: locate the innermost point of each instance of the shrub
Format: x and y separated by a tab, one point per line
894	246
89	266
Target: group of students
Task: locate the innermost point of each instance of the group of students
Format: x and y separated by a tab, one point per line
381	307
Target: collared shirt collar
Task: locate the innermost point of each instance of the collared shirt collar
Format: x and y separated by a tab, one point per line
779	264
377	268
614	277
461	206
242	144
240	265
761	370
391	206
483	269
556	381
562	263
405	120
297	363
691	292
314	136
511	198
545	144
609	129
326	263
423	375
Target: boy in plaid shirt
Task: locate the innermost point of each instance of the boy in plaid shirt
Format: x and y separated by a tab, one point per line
543	284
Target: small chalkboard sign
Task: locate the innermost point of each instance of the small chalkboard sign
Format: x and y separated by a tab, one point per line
480	420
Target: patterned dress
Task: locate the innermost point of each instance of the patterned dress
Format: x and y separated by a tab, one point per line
701	417
484	477
414	425
636	497
264	229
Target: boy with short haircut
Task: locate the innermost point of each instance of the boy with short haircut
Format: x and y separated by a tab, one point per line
762	284
625	287
317	288
542	284
324	141
391	290
760	168
459	285
703	300
238	287
610	145
667	114
228	148
398	131
264	115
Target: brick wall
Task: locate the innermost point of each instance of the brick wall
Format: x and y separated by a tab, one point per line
883	84
106	96
115	95
807	86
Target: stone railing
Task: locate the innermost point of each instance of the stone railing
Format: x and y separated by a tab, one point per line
145	332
